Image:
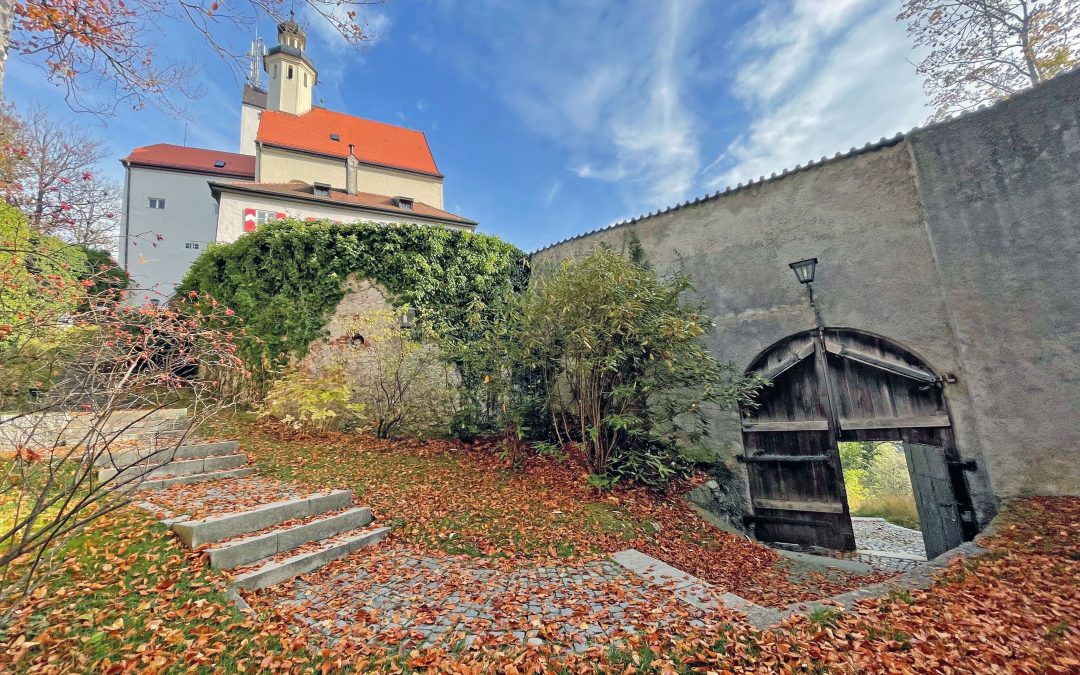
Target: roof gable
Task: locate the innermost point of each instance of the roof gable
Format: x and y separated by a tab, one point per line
375	142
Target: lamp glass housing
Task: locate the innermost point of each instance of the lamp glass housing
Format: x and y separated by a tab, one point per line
804	270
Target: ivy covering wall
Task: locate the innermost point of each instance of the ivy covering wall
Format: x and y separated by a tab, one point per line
285	279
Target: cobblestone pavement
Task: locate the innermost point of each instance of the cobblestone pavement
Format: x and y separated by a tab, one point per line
398	597
887	563
877	534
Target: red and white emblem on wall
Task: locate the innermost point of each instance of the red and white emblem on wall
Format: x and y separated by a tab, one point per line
249	220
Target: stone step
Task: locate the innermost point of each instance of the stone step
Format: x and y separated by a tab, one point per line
267	545
162	483
123	459
195	533
276	571
163	469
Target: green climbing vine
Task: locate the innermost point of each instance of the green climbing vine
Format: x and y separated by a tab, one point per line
285	279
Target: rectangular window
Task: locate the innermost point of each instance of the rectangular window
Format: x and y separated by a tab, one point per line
156	202
405	203
253	218
321	190
193	245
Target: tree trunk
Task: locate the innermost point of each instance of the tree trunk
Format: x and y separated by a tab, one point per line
7	22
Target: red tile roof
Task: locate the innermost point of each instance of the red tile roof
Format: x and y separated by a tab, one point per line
376	143
169	156
338	197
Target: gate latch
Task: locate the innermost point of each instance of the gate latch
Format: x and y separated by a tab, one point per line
965	464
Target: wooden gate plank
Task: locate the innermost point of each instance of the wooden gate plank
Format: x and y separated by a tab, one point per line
849	424
939	515
787	425
813	507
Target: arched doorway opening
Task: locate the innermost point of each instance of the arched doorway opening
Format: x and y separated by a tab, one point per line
843	385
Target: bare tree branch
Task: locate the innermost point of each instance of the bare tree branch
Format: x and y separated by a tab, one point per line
981	51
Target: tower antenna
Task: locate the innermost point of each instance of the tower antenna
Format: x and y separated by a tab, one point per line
255	54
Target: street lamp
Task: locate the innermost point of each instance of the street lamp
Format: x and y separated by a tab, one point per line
804	272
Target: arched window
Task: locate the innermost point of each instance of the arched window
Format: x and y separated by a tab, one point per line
275	71
288	73
305	79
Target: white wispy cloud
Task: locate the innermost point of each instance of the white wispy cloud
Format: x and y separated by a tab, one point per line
605	81
820	78
375	23
553	189
336	57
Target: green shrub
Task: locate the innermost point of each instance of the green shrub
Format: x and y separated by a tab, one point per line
310	402
403	385
285	279
39	277
621	364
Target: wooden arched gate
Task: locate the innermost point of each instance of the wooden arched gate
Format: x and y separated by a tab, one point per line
846	385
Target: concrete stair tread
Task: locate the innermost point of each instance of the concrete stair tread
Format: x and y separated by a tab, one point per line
198	450
161	483
170	469
182	462
217	528
305	559
286	537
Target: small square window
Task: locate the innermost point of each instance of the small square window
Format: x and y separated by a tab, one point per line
321	190
335	137
156	202
220	164
192	245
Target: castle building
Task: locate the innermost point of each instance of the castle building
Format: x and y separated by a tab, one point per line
296	160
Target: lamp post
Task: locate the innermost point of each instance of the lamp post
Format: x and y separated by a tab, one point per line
804	272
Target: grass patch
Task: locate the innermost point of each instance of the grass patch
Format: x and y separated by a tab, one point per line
612	520
824	617
126	596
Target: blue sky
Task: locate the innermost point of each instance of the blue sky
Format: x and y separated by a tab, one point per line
556	117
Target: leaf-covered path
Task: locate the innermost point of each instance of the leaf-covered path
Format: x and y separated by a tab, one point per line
449	498
127	597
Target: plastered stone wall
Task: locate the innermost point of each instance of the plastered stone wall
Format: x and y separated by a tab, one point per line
960	241
860	217
1001	192
430	399
361	295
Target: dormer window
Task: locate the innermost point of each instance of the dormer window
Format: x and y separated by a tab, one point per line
405	203
335	137
321	190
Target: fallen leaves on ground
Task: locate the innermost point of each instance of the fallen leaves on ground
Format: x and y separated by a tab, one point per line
127	597
451	497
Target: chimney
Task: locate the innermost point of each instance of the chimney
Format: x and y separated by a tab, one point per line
351	166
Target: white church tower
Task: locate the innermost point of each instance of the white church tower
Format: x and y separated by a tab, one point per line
291	73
